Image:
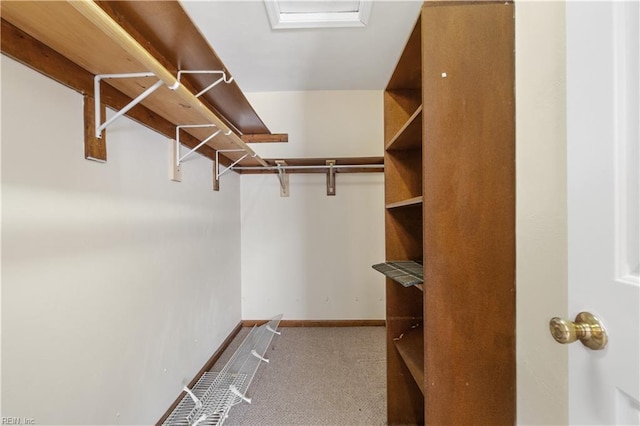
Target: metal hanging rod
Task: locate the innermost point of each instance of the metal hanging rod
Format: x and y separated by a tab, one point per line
320	166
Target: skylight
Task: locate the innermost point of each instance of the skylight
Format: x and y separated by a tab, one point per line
318	14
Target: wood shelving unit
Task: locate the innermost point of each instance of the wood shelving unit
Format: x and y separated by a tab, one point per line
404	200
449	194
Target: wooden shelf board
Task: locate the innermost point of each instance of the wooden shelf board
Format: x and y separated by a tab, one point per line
411	348
63	28
411	202
410	134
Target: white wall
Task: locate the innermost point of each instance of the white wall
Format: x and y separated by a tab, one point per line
117	284
309	256
541	211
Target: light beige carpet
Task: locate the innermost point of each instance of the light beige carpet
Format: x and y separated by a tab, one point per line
316	376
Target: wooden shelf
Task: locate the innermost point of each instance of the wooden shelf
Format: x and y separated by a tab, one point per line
410	345
411	202
410	135
86	35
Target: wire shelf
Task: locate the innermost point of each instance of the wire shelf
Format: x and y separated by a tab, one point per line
217	392
406	273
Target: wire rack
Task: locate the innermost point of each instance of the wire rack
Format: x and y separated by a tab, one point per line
216	392
407	273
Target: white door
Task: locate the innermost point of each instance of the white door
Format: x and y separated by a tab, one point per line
603	94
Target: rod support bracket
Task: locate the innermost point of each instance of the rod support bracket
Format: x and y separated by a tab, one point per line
283	177
331	178
99	126
216	165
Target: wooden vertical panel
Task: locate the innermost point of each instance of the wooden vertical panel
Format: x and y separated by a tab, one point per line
403	235
469	213
94	148
216	181
175	170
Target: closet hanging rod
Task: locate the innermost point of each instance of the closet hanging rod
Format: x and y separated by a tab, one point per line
104	23
320	166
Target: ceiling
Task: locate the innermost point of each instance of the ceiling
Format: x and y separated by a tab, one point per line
262	59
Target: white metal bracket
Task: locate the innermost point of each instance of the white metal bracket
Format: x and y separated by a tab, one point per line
223	77
283	177
272	330
176	159
96	96
257	355
217	173
331	177
196	400
200	420
237	393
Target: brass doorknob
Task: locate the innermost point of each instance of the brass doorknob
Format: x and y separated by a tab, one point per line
587	328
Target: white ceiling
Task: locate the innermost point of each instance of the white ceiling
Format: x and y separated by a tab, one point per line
264	60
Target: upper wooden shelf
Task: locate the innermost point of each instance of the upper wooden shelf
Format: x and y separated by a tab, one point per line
410	134
89	37
408	71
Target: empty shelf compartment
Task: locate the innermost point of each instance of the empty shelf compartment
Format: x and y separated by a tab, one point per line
410	346
406	273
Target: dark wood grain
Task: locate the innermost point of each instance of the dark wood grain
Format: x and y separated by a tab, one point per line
265	138
469	213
